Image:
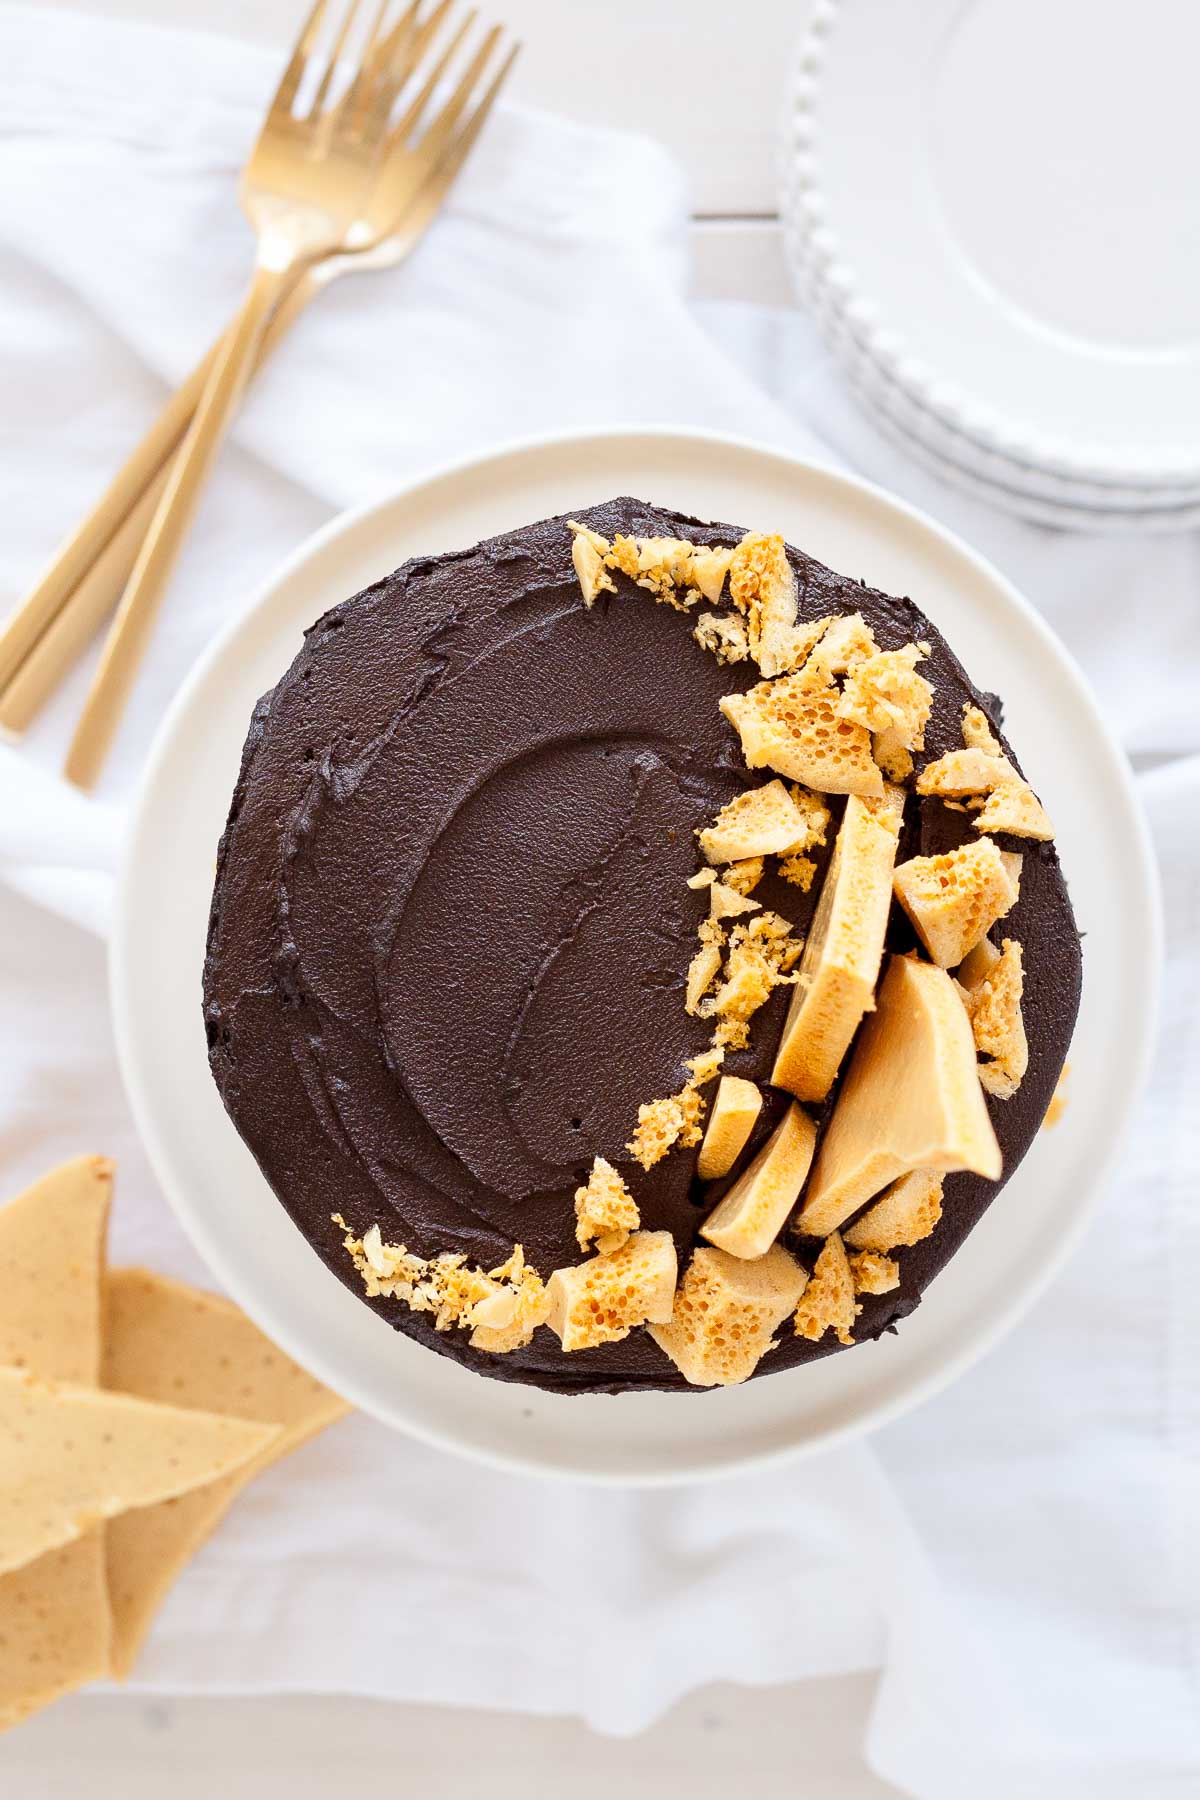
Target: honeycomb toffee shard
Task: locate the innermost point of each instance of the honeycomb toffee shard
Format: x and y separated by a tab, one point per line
751	1215
911	1099
733	1117
840	965
726	1311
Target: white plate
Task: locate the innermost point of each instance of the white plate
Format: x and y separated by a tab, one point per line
211	1178
1041	494
1038	495
995	196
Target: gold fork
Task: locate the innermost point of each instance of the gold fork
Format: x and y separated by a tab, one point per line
303	191
406	196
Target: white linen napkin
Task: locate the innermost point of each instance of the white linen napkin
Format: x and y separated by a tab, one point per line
1016	1556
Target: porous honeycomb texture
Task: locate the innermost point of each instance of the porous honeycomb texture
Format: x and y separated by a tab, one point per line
725	1313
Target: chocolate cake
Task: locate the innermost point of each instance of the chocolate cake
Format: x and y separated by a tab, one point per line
637	959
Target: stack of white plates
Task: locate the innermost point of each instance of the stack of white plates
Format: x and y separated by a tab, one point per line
991	210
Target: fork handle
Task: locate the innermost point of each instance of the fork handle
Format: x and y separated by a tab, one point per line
130	630
107	543
73	560
91	602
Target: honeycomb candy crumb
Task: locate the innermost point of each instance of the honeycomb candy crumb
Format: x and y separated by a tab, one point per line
744	875
1059	1100
874	1273
799	870
675	1119
723	635
761	956
505	1305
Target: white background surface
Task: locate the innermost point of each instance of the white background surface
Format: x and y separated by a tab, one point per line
658	66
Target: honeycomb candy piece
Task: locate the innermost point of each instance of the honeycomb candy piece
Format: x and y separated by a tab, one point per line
904	1213
763	587
795	867
884	693
977	732
974	967
828	1303
734	1112
660	1126
708	570
873	1273
705	966
495	1311
784	726
816	817
601	1301
703	1069
726	1313
962	772
744	875
846	641
796	645
752	1213
604	1209
910	1099
724	636
893	758
954	899
588	551
726	903
1009	803
1015	808
997	1023
844	948
759	822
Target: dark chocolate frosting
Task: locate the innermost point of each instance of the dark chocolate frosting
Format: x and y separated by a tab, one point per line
451	926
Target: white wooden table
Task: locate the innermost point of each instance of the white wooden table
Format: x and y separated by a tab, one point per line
705	77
